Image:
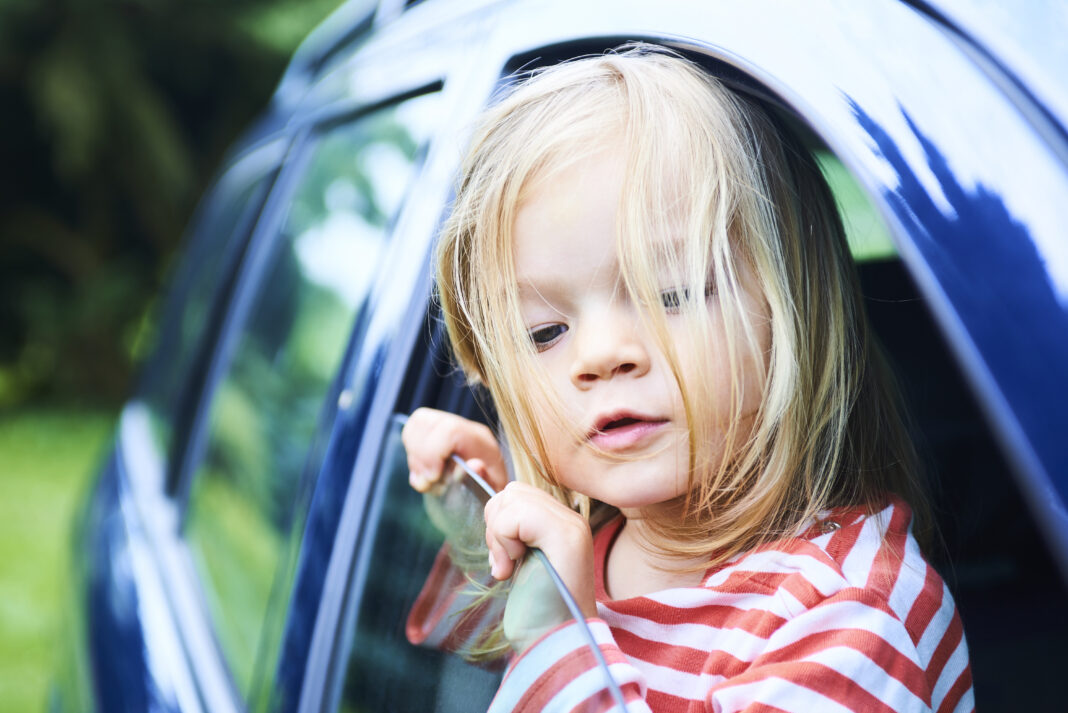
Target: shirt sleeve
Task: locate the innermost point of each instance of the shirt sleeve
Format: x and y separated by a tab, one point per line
852	653
561	673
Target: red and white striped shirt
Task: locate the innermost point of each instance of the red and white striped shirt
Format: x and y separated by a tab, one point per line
847	616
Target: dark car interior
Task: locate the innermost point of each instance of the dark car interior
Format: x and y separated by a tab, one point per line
1008	588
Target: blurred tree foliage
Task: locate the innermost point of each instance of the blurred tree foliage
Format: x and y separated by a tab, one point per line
114	114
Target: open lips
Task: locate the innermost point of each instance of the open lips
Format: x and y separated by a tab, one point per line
623	430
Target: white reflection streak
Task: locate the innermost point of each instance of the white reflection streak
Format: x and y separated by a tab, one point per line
390	169
341	254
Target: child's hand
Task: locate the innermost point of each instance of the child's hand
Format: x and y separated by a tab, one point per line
522	516
430	437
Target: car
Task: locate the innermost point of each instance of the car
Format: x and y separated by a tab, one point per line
251	542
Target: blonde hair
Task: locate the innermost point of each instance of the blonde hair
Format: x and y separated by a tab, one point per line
739	196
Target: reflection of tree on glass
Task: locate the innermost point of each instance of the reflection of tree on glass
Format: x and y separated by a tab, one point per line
218	235
264	442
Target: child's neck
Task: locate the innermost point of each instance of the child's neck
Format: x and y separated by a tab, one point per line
633	568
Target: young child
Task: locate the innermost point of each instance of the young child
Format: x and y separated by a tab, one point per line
649	276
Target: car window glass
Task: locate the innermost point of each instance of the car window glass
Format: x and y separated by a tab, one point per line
222	226
245	494
865	231
422	637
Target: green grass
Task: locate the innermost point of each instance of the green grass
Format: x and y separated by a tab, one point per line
47	460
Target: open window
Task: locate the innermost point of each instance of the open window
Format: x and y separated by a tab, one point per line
989	548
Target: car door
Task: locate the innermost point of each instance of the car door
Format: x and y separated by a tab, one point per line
132	629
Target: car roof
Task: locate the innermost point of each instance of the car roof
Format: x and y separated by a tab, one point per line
1025	40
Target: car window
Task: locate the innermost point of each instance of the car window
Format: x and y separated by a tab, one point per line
245	494
422	639
219	233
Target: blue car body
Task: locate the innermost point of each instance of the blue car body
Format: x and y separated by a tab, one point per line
950	115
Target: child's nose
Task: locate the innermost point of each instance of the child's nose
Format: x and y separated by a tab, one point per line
607	347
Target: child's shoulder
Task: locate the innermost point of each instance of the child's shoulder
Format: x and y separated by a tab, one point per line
846	553
855	582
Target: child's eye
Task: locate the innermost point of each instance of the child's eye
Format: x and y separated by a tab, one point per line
545	336
672	299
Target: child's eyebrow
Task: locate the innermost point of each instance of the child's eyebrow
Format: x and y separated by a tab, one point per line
552	293
550	279
531	290
556	291
537	287
532	296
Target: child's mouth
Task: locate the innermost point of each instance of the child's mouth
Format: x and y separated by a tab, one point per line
624	432
619	423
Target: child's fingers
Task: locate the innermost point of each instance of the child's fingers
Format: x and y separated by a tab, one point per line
522	516
503	556
422	436
502	514
430	437
419	480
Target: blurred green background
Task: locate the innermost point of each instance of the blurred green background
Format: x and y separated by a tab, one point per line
114	115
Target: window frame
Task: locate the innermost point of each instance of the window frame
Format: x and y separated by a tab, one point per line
315	669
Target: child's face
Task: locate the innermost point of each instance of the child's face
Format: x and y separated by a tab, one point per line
613	381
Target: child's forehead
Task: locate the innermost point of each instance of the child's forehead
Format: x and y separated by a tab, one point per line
554	267
603	186
588	219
